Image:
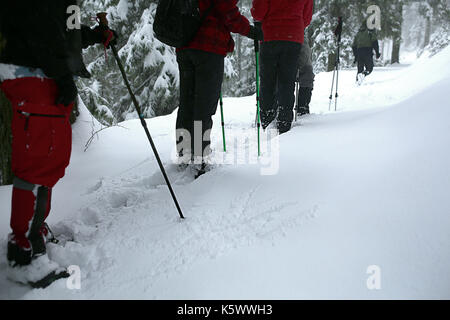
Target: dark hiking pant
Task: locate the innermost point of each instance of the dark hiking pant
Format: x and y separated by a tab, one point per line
365	61
304	98
279	64
201	75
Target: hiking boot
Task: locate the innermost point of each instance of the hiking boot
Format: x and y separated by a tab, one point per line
201	165
267	118
283	126
19	251
22	250
200	169
302	111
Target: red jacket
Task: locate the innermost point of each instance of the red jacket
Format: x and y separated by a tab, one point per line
283	19
214	35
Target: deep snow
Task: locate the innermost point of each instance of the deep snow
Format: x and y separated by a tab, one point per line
365	186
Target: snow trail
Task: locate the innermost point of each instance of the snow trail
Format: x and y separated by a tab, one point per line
355	188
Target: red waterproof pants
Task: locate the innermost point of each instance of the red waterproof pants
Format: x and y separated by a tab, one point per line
41	148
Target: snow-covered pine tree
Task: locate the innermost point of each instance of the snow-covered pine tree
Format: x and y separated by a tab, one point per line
240	66
320	34
150	65
437	35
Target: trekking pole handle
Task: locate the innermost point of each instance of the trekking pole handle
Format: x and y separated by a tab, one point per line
338	30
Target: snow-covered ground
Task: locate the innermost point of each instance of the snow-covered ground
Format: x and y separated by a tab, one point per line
362	189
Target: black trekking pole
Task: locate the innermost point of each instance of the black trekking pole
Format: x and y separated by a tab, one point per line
338	61
104	22
258	114
337	33
332	88
297	92
223	123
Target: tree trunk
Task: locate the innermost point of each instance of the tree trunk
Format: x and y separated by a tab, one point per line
75	112
397	35
395	58
239	56
6	175
426	41
331	62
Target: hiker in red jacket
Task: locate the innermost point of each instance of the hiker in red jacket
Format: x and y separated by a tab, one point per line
283	24
201	66
38	63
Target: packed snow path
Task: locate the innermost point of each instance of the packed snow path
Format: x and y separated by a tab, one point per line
367	186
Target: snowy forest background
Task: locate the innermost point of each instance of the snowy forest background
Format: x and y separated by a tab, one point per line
418	27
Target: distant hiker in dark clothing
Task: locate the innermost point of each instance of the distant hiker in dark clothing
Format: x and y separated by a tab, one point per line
363	46
38	62
283	24
305	78
201	66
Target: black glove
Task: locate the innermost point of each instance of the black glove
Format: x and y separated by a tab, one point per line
67	90
378	55
104	34
256	32
355	61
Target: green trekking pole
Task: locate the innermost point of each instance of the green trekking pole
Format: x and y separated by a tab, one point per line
223	123
258	116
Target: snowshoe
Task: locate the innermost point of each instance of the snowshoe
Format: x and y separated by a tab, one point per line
182	167
360	78
40	273
49	236
198	170
60	235
183	162
49	279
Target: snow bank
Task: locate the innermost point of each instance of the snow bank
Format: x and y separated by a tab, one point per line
384	87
